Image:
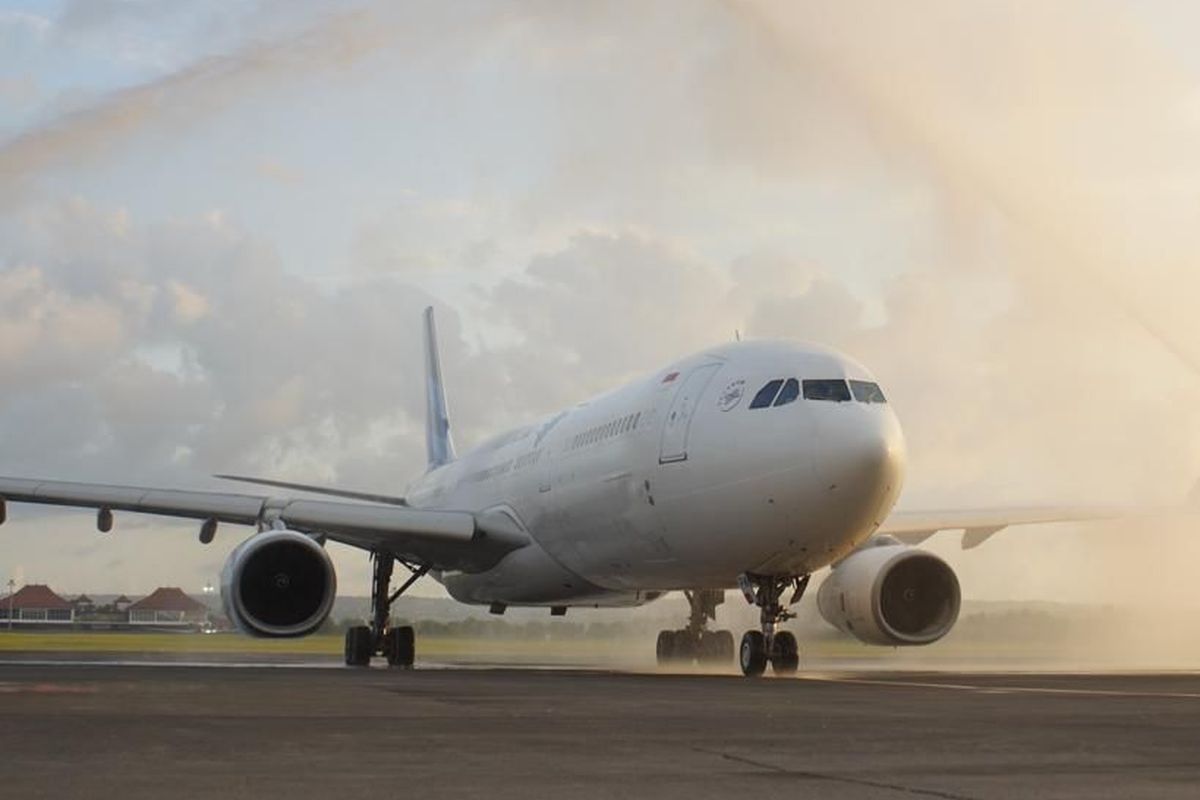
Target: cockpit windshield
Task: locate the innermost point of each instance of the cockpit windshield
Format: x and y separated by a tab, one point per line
833	389
789	392
783	391
867	392
766	395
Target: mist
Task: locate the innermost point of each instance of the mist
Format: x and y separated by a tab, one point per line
213	260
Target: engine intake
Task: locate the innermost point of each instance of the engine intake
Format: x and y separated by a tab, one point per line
891	594
279	583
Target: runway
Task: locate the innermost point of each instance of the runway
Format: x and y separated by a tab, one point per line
297	730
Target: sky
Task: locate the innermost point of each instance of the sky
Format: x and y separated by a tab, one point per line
219	222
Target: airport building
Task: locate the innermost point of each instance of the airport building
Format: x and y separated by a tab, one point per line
36	604
168	606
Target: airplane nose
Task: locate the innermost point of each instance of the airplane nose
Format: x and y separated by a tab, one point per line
879	452
881	460
863	462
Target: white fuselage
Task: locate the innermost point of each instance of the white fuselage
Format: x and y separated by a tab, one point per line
674	482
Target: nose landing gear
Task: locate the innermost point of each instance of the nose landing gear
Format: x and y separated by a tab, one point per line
769	645
396	644
696	643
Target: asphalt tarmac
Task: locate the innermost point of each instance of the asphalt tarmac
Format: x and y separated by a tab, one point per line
293	730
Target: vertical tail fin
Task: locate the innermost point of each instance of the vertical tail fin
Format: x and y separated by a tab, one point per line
439	447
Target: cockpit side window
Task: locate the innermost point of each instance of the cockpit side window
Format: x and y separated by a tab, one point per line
789	393
867	392
832	389
766	394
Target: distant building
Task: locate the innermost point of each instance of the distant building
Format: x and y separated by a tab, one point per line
83	605
36	604
168	605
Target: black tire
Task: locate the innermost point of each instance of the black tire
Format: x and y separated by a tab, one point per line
685	648
716	647
399	645
786	659
664	648
753	654
359	646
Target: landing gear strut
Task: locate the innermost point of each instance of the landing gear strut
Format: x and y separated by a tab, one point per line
696	642
777	647
396	644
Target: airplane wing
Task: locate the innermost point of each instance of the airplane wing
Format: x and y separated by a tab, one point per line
978	525
448	540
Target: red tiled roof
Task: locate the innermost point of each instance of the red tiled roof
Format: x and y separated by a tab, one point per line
35	595
168	598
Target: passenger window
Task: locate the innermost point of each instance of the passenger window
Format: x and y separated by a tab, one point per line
833	389
791	390
867	392
767	394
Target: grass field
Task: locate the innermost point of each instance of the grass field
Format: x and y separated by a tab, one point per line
123	642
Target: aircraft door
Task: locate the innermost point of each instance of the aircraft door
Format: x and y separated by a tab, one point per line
678	420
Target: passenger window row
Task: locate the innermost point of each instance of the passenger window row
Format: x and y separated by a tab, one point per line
600	432
781	391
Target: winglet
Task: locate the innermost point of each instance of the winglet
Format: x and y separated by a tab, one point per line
973	537
439	447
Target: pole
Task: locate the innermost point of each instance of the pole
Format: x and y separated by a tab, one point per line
12	588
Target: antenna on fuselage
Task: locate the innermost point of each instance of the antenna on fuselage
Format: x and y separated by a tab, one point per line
439	447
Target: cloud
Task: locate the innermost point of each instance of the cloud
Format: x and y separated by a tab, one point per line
265	354
588	305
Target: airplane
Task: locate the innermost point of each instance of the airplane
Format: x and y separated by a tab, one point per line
749	465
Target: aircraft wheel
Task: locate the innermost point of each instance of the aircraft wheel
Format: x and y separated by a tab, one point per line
786	659
716	647
753	656
358	646
685	647
399	645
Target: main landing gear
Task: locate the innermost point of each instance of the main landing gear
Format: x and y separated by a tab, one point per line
696	643
398	645
777	647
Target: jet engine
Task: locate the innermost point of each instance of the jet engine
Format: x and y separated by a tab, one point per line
278	583
891	594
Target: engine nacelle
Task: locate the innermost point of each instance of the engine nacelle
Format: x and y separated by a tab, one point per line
891	594
278	583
